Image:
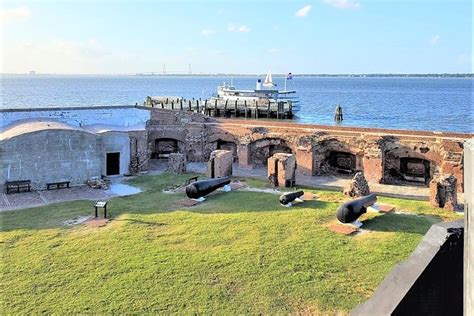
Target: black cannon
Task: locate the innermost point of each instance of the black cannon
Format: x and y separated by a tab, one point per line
202	188
290	197
351	210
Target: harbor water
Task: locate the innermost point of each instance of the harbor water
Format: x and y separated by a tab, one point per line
434	104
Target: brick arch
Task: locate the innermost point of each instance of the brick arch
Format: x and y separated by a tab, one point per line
334	156
227	137
179	136
263	148
162	143
409	163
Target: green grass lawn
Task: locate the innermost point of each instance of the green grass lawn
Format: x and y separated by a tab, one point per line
236	253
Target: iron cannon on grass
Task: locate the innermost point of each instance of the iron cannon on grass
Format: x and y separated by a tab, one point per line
351	210
289	197
198	189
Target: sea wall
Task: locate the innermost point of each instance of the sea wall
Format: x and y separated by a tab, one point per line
127	116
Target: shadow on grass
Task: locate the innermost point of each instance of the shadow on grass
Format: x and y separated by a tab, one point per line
137	221
406	223
149	202
153	201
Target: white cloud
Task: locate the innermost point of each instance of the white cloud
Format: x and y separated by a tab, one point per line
465	59
241	28
435	40
343	4
22	13
244	28
207	32
301	13
273	50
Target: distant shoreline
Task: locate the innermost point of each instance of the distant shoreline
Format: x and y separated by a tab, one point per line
378	75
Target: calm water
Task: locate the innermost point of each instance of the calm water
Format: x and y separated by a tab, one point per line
436	104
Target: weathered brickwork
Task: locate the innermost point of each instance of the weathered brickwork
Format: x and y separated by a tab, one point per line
139	151
357	187
281	169
443	192
384	156
177	163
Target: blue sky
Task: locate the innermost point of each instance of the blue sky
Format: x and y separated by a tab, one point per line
323	36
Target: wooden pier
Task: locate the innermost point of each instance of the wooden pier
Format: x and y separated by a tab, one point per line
221	108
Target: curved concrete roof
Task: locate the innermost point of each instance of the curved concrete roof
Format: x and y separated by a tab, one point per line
103	128
31	126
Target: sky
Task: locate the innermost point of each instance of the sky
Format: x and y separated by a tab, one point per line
322	36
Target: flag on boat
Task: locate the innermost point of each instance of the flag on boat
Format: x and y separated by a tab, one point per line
289	76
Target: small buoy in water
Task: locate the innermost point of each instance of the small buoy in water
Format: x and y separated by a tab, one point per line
338	114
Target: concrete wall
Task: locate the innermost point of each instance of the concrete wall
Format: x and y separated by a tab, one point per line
469	228
52	156
113	115
430	282
114	142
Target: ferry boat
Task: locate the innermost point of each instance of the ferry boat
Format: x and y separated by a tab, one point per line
263	93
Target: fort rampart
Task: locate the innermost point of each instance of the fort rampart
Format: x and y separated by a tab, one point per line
385	156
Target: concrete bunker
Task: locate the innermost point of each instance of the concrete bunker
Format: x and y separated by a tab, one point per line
116	156
262	149
403	165
48	152
333	157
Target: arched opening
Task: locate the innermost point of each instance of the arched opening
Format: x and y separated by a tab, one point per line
342	162
333	157
163	147
402	165
262	149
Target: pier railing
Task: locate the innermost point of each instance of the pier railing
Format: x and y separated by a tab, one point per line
225	108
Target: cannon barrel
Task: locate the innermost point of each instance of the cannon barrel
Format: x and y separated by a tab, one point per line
202	188
290	197
351	210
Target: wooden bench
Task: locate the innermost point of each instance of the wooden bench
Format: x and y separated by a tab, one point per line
58	185
18	185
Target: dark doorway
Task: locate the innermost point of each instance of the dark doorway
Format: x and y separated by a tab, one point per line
343	162
225	145
164	147
113	164
415	170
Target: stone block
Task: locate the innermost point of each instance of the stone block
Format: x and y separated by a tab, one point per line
281	169
220	164
373	170
177	163
358	186
443	192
